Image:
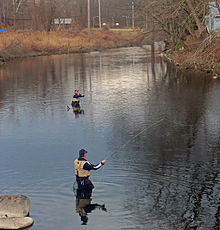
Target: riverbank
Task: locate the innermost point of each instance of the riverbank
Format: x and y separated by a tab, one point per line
36	43
200	55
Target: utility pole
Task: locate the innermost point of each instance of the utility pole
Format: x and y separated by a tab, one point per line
88	17
100	21
132	12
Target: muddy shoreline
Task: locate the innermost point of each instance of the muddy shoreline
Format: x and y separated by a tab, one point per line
202	56
191	68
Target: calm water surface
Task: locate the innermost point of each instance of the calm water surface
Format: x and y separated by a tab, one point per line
159	130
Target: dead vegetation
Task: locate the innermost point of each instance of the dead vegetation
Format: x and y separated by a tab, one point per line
15	45
200	54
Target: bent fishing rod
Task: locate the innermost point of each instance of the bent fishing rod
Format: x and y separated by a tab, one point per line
143	130
134	137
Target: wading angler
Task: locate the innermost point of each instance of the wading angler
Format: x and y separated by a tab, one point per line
83	171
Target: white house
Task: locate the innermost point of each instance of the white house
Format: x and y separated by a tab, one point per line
212	20
62	21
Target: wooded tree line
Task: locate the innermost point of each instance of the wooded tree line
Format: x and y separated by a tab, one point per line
39	14
176	18
34	14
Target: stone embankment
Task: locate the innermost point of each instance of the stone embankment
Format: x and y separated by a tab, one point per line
14	212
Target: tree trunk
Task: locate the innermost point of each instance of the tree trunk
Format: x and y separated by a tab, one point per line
195	16
14	16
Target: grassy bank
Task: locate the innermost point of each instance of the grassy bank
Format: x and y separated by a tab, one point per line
16	45
200	54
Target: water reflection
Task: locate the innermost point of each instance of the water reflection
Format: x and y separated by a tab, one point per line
159	129
178	169
77	111
84	205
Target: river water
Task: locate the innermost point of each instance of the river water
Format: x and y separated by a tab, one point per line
158	129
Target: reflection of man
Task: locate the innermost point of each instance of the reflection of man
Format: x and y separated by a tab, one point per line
76	98
83	170
77	111
84	206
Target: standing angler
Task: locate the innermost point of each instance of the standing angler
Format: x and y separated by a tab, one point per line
83	170
76	98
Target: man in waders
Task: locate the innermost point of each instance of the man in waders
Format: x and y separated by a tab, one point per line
83	171
76	98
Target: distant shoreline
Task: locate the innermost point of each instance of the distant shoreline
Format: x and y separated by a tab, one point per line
198	56
30	44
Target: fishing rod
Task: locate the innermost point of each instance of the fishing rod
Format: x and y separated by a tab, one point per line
139	133
131	139
145	129
134	137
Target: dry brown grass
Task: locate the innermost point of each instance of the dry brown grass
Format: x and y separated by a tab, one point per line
43	43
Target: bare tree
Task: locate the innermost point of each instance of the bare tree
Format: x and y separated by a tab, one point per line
177	18
4	11
17	4
44	13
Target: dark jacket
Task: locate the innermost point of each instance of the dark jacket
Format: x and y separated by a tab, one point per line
89	166
77	95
